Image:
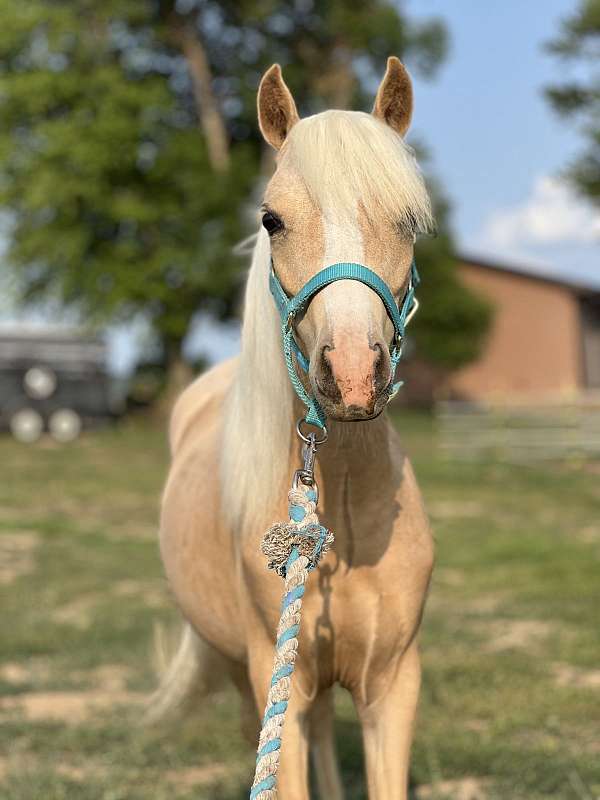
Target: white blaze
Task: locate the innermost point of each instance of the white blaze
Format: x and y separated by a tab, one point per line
346	301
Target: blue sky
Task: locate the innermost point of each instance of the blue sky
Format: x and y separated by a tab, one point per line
496	144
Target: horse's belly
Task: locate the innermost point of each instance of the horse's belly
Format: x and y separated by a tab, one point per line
197	551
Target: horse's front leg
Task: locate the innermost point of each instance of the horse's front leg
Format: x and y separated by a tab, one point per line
387	726
292	775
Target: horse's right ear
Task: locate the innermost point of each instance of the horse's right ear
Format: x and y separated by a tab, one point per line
277	112
394	101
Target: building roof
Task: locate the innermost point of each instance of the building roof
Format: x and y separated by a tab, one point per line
578	284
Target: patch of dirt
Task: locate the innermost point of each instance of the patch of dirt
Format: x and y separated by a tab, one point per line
13	672
568	675
152	593
111	677
486	604
48	443
37	671
129	530
72	772
477	725
456	509
68	707
197	776
34	670
184	778
20	762
589	534
17	554
446	580
12	514
449	576
462	789
516	634
79	613
109	683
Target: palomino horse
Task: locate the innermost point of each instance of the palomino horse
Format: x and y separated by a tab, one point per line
346	189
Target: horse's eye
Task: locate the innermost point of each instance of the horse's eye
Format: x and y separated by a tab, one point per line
271	223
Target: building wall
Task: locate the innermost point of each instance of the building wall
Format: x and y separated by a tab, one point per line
590	318
534	345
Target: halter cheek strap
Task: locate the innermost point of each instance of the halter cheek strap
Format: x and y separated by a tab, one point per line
291	307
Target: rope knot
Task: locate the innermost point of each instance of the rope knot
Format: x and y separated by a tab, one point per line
302	534
311	541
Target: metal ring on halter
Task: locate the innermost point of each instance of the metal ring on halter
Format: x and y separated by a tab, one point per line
305	438
412	312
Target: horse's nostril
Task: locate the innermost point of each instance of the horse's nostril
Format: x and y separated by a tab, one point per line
380	368
379	356
325	379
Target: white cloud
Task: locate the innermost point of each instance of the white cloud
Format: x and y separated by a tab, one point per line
551	215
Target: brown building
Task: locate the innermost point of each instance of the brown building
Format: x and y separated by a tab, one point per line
544	341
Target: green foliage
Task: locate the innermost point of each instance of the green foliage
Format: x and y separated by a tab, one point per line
449	330
324	45
578	99
115	205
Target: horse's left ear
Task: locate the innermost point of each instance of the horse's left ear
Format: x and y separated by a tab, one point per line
394	101
277	112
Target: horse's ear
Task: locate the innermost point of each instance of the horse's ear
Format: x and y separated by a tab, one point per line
394	101
277	112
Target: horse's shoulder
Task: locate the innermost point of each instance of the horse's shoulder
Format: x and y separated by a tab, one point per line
202	397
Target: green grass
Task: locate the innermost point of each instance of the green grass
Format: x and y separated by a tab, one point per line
510	641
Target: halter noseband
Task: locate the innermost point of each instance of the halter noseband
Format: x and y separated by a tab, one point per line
290	307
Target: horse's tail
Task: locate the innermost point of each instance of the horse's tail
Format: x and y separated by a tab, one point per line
186	677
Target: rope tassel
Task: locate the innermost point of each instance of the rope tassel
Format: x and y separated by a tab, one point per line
293	549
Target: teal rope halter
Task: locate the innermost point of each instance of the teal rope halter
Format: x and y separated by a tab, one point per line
291	307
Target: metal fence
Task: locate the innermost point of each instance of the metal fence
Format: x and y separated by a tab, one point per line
520	432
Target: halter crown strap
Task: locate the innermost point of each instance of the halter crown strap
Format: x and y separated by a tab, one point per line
290	307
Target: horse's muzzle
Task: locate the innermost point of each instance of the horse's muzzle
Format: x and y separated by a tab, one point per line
352	381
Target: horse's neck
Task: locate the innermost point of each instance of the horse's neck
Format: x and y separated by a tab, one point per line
355	449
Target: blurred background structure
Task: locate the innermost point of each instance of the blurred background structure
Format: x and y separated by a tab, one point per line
130	167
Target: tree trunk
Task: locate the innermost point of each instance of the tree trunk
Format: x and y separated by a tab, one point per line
336	81
179	374
207	108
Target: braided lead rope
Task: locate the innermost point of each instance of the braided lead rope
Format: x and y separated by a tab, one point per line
293	549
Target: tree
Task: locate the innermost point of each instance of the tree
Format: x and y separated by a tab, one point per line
450	328
578	44
113	198
129	145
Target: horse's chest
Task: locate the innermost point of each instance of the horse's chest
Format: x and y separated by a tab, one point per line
356	631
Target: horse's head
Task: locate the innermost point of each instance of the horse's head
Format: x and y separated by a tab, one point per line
346	189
